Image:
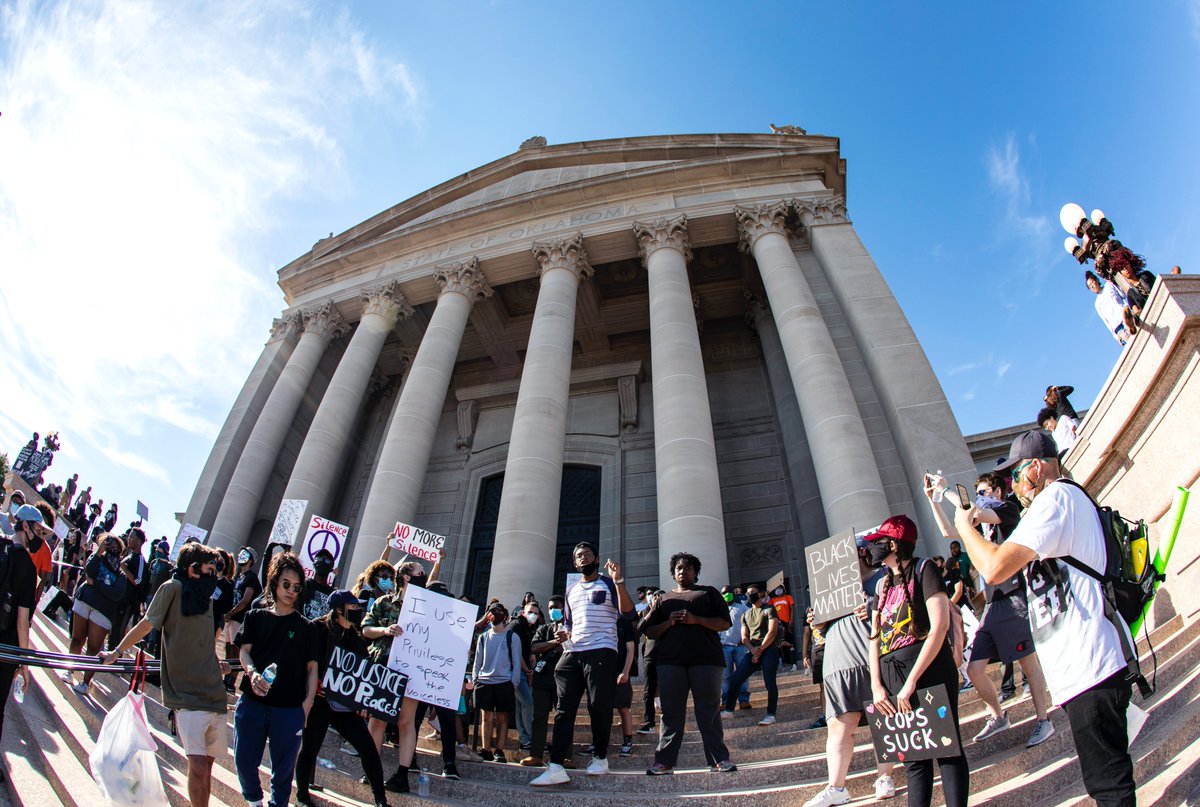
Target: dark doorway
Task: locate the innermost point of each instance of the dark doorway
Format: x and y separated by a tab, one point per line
578	520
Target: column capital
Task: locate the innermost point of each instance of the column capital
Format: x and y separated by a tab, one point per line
387	301
325	321
464	277
755	221
286	326
565	253
662	233
821	210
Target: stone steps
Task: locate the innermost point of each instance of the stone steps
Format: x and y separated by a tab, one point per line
780	765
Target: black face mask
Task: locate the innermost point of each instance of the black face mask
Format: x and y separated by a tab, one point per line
879	551
197	593
34	543
755	597
322	569
355	617
589	569
419	582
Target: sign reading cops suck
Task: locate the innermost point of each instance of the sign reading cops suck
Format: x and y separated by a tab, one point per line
927	732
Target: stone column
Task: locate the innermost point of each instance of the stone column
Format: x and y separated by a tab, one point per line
227	450
851	489
926	432
527	525
320	457
240	504
690	518
400	470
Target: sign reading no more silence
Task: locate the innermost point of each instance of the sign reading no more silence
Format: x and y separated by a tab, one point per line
834	582
416	542
927	732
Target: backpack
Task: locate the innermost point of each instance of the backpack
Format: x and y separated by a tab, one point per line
1125	591
956	634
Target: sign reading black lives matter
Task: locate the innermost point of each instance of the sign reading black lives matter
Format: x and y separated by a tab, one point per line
927	732
359	683
834	583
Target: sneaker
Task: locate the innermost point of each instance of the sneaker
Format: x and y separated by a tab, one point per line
659	769
397	782
1042	731
1025	689
724	766
554	775
590	749
726	715
464	751
993	726
819	723
1005	697
885	788
745	705
967	687
569	764
433	735
829	796
769	720
646	728
532	762
627	747
449	771
304	800
486	755
522	747
347	748
254	803
500	757
80	688
597	767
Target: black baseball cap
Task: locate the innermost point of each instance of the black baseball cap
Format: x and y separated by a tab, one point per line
1034	444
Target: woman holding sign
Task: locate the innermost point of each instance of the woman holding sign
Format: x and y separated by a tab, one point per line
910	651
339	628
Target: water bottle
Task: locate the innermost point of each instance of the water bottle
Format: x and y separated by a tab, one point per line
269	674
939	485
19	689
423	784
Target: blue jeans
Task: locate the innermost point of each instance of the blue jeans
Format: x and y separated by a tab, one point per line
255	723
524	710
768	662
733	657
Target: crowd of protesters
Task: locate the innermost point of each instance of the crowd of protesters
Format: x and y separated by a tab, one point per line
922	623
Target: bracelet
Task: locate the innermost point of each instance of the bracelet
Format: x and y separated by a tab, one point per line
620	582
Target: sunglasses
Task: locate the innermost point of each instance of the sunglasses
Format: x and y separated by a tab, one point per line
290	586
1020	469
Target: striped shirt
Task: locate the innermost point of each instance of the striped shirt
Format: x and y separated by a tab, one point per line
592	614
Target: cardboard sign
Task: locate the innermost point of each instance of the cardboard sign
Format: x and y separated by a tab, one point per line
322	534
834	583
418	543
60	529
356	681
927	732
287	521
775	582
185	532
434	647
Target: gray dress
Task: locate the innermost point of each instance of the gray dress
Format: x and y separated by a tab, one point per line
847	673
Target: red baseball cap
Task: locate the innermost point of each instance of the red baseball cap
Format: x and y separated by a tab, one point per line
897	528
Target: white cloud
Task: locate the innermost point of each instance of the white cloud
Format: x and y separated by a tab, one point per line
1012	185
144	147
1003	369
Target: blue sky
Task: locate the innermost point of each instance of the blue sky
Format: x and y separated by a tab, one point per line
159	161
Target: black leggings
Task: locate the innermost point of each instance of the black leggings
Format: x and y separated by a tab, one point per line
354	729
448	730
956	773
7	673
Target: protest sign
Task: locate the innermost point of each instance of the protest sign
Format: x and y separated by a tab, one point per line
775	582
927	732
434	647
186	532
322	534
60	529
834	583
287	521
418	543
356	681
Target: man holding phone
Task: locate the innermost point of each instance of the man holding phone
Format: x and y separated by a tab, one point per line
1003	633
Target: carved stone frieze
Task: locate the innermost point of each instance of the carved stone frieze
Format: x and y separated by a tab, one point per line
464	277
755	221
468	418
564	253
627	392
787	129
760	553
535	142
387	301
325	321
662	233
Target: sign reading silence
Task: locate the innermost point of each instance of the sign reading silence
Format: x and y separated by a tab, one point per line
323	534
356	681
416	542
834	583
432	651
927	732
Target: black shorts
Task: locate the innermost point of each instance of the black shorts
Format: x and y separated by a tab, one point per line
818	663
623	696
1003	633
495	697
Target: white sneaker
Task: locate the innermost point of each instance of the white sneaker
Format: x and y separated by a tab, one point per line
597	767
1043	731
726	715
885	788
81	688
255	803
769	720
554	774
829	796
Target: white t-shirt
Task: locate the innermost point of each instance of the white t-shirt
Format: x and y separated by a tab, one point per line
1064	432
1077	646
592	615
1110	305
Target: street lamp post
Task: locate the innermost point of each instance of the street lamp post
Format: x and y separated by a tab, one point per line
1095	234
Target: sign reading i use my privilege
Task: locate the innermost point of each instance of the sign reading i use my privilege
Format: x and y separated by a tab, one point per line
432	651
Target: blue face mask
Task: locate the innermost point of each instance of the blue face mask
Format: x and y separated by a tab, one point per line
556	614
386	585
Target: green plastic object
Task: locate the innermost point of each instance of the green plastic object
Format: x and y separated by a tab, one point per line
1163	556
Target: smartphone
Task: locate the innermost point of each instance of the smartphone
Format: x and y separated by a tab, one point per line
964	498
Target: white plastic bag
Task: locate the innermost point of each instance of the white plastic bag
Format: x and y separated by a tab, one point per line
123	761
